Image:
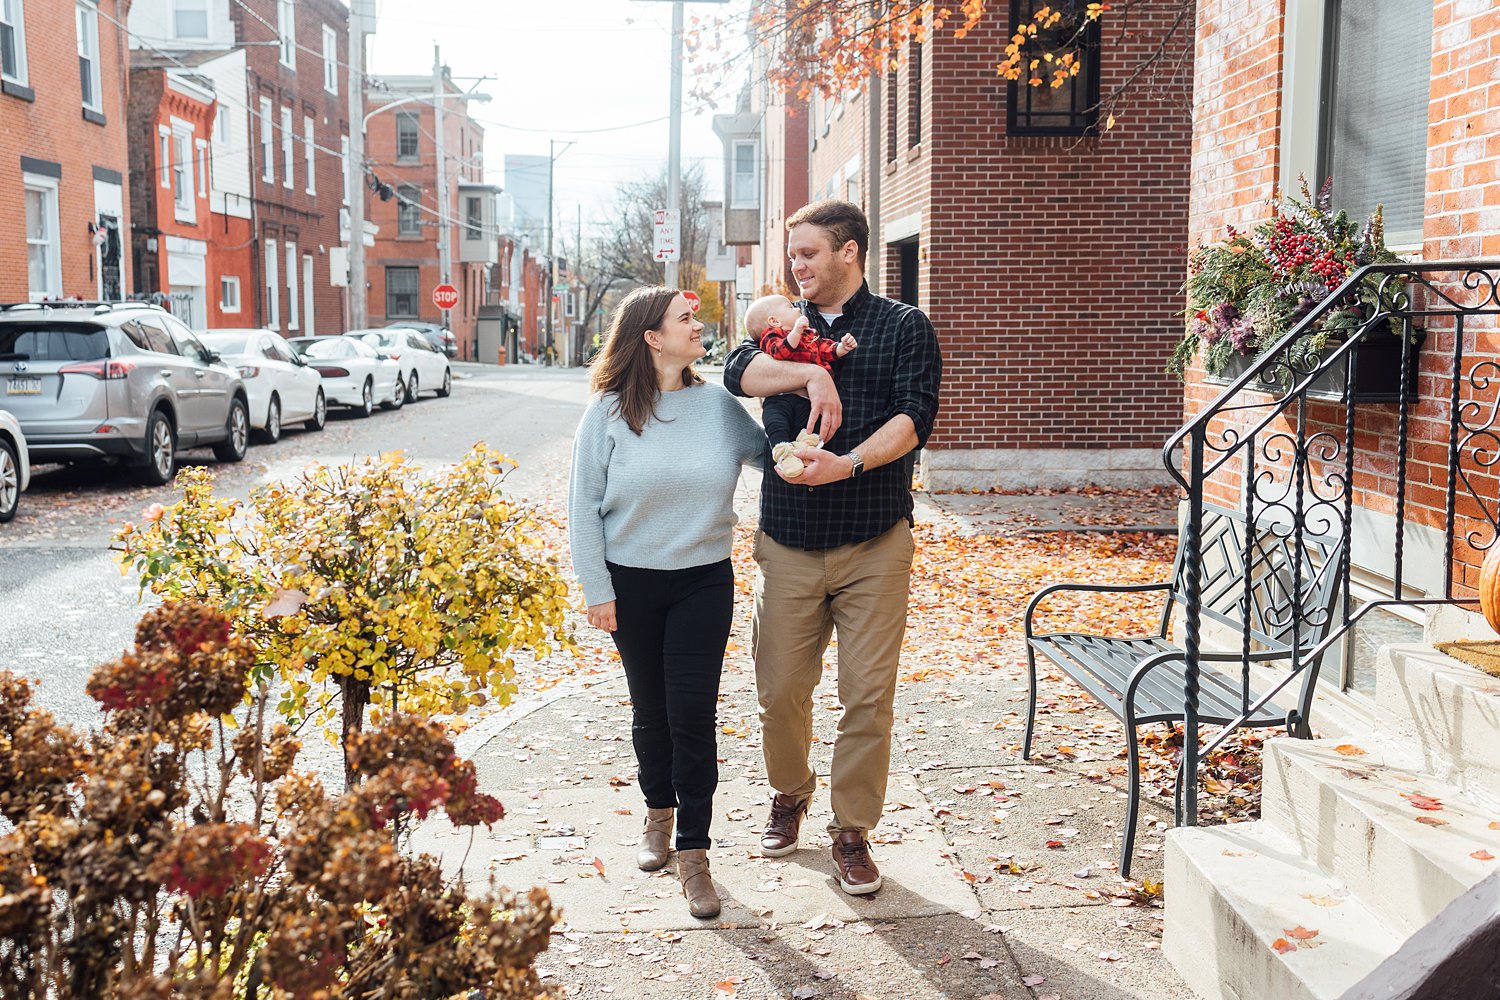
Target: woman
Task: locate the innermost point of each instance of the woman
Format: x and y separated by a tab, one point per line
651	523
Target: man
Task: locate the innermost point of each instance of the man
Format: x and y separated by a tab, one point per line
835	544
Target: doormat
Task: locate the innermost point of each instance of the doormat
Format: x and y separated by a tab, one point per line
1482	654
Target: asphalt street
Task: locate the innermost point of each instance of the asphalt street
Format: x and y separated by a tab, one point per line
65	606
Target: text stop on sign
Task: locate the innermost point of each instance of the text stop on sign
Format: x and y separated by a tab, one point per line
445	296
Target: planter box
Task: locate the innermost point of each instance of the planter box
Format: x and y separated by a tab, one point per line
1377	373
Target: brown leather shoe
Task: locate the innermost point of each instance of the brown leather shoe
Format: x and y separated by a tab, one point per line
697	884
858	875
780	836
656	840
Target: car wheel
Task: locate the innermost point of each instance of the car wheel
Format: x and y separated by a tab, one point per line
272	432
413	387
447	389
366	399
161	450
10	481
398	396
237	437
320	413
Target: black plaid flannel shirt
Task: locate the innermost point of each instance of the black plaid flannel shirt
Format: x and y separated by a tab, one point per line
896	369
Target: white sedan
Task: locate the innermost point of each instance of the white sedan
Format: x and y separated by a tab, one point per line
354	373
422	365
282	388
15	466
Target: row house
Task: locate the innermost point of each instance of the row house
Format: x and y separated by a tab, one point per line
434	211
512	323
64	209
1045	247
261	243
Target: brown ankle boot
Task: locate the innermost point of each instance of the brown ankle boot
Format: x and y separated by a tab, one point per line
697	883
656	840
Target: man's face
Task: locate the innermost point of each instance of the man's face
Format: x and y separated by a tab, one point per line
826	276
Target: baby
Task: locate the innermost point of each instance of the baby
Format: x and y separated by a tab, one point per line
766	318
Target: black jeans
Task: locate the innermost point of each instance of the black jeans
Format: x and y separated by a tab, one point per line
673	625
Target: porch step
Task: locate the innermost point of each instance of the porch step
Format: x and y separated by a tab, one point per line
1240	896
1402	840
1448	710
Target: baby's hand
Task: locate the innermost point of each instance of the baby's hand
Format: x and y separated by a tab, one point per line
846	344
794	338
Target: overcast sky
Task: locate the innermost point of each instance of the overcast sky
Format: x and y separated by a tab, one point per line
561	69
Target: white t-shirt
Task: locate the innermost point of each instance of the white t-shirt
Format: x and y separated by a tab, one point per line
829	317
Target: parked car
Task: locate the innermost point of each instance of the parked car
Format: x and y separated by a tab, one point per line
355	374
421	365
281	386
440	337
121	381
15	466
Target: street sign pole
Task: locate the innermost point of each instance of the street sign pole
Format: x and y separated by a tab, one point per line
674	144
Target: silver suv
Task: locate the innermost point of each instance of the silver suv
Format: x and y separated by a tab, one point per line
124	381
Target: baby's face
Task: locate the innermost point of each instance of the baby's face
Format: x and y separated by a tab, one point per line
777	311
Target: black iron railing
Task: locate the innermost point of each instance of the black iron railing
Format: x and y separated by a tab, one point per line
1300	439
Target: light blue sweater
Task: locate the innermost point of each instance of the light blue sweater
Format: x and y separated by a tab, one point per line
665	499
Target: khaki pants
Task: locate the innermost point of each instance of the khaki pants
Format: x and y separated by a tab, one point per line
800	598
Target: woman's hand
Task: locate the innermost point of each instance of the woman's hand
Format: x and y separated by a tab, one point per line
603	616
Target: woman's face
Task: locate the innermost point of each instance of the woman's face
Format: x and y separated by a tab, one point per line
678	336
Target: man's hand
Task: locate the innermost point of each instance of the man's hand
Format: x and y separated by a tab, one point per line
819	467
603	616
827	409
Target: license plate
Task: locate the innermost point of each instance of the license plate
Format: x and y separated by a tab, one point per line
23	387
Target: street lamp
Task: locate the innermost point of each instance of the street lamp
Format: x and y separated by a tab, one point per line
358	304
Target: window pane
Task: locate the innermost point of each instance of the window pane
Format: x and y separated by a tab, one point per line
8	50
36	214
1067	109
401	291
408	220
1376	125
406	136
55	343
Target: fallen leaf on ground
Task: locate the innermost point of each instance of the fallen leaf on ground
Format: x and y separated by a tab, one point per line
1301	933
1482	856
1033	980
725	989
599	866
1349	750
1422	801
1281	946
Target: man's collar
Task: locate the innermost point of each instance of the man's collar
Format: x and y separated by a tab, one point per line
855	301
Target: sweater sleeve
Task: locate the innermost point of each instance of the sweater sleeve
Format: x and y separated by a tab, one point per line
590	476
748	437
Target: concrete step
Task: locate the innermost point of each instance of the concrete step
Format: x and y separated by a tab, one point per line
1449	710
1402	840
1242	903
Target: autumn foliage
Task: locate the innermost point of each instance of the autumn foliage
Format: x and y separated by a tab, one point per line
175	853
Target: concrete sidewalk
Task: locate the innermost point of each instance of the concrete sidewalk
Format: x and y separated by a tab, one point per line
999	874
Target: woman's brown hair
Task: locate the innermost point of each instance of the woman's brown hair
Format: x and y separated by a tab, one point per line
624	366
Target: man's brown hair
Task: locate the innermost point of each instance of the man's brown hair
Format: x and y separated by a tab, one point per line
841	220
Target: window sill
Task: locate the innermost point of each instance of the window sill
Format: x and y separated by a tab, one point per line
90	115
913	153
13	89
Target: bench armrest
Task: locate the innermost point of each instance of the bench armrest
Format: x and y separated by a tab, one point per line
1169	656
1094	588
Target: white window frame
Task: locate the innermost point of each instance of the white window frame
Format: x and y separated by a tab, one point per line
753	200
53	254
307	153
288	148
286	32
229	293
273	287
307	295
267	142
221	125
201	146
293	284
184	198
88	48
194	6
330	59
13	16
164	156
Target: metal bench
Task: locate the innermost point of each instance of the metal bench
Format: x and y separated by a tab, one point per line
1274	587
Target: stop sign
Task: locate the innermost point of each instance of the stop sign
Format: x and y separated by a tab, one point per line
693	300
445	296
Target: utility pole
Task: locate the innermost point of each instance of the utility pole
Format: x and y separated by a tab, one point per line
551	257
359	11
445	264
674	144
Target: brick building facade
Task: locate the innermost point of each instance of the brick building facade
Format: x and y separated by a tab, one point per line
405	265
64	211
1261	120
1050	264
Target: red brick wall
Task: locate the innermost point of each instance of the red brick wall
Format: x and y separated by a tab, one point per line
153	105
51	127
290	214
231	251
1235	165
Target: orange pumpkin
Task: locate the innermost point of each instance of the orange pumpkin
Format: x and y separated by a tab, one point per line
1489	586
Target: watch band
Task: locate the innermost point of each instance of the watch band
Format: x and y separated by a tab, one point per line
858	464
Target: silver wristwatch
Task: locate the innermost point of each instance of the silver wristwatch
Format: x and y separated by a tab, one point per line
858	464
